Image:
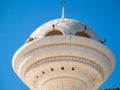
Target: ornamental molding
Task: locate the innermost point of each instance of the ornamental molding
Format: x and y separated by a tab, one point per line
65	58
61	45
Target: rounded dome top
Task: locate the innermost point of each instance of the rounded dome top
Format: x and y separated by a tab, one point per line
63	27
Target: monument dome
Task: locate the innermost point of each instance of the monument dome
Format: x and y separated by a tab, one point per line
63	26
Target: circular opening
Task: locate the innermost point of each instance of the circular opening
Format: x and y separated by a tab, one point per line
73	68
52	69
37	77
43	72
62	68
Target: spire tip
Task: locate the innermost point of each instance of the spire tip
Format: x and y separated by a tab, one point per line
63	12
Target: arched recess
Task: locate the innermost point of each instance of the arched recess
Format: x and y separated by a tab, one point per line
83	34
29	39
54	32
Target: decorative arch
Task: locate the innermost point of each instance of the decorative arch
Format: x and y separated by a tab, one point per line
54	32
29	39
83	34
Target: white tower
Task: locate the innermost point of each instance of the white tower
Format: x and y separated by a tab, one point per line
63	54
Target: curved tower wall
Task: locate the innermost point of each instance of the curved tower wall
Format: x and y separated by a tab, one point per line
63	54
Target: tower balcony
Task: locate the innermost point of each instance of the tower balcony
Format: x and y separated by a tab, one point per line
63	62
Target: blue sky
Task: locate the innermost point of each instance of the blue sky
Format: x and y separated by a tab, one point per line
19	18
